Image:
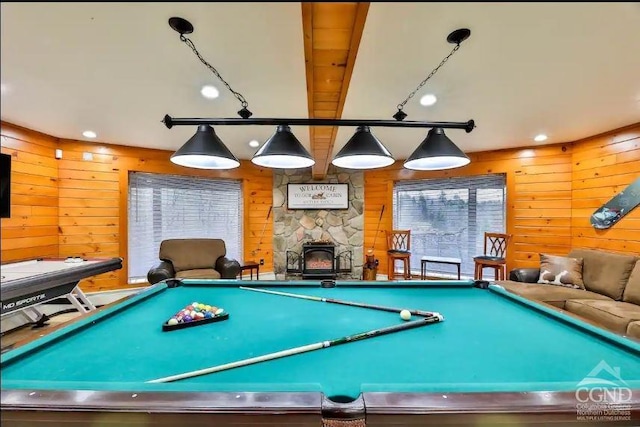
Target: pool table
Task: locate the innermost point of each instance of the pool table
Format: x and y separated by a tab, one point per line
495	359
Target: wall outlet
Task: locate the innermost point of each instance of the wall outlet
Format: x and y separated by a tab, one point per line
261	261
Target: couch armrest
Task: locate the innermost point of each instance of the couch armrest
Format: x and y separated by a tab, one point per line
228	268
160	272
526	275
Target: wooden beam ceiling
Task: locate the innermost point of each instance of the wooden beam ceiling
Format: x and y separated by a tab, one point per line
332	33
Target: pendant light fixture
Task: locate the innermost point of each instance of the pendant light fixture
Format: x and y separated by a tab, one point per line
435	153
205	150
363	151
283	150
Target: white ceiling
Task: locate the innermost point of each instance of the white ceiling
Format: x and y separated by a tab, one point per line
568	70
118	68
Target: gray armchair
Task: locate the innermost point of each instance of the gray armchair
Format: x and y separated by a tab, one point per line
193	259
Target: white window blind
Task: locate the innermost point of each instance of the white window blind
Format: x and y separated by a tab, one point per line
178	207
448	217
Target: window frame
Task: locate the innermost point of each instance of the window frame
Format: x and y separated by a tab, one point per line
467	247
186	182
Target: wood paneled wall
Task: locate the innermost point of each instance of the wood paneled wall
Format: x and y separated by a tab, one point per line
32	230
551	193
72	207
602	166
90	203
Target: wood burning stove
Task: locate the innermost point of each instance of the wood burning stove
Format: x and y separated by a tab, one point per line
318	260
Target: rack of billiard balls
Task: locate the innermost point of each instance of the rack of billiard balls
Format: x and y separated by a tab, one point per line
195	314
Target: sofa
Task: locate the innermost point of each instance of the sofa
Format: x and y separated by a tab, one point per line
611	294
193	259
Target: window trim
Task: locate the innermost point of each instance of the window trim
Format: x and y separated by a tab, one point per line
186	179
453	183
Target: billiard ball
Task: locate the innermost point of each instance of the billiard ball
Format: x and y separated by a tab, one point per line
405	315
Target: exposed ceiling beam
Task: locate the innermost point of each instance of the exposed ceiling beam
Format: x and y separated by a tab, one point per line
332	33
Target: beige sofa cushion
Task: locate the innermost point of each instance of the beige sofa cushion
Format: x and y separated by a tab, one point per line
192	254
561	271
201	273
614	315
633	330
551	294
605	272
632	290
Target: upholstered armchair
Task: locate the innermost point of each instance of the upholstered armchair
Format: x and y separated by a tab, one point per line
193	259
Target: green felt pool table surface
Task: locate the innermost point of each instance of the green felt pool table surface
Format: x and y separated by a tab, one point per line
490	341
487	342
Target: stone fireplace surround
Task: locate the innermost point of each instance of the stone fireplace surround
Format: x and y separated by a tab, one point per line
293	228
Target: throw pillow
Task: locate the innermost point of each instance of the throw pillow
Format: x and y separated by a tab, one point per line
561	271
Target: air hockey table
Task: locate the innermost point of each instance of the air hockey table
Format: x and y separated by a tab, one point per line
27	284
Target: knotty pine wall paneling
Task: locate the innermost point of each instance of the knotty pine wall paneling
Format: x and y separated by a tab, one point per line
72	207
89	209
540	204
32	230
552	191
94	194
603	166
538	199
77	207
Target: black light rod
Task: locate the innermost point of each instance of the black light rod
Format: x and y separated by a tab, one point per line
171	121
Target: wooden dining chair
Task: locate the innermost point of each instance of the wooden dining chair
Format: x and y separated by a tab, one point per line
398	248
495	255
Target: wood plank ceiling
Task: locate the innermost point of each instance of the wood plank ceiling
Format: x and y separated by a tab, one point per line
332	33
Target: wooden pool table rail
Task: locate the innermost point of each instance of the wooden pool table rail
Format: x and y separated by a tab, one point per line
300	408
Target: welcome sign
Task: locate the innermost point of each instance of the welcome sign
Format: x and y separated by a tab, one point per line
318	196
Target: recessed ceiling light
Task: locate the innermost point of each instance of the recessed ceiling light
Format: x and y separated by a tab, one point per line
541	137
210	92
428	100
254	143
89	134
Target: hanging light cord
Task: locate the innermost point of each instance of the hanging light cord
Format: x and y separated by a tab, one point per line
244	112
401	115
422	83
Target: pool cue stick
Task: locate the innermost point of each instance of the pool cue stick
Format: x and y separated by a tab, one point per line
302	349
264	227
337	301
377	229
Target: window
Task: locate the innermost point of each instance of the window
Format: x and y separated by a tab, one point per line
448	217
178	207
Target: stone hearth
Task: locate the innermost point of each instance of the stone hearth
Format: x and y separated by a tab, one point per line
293	228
